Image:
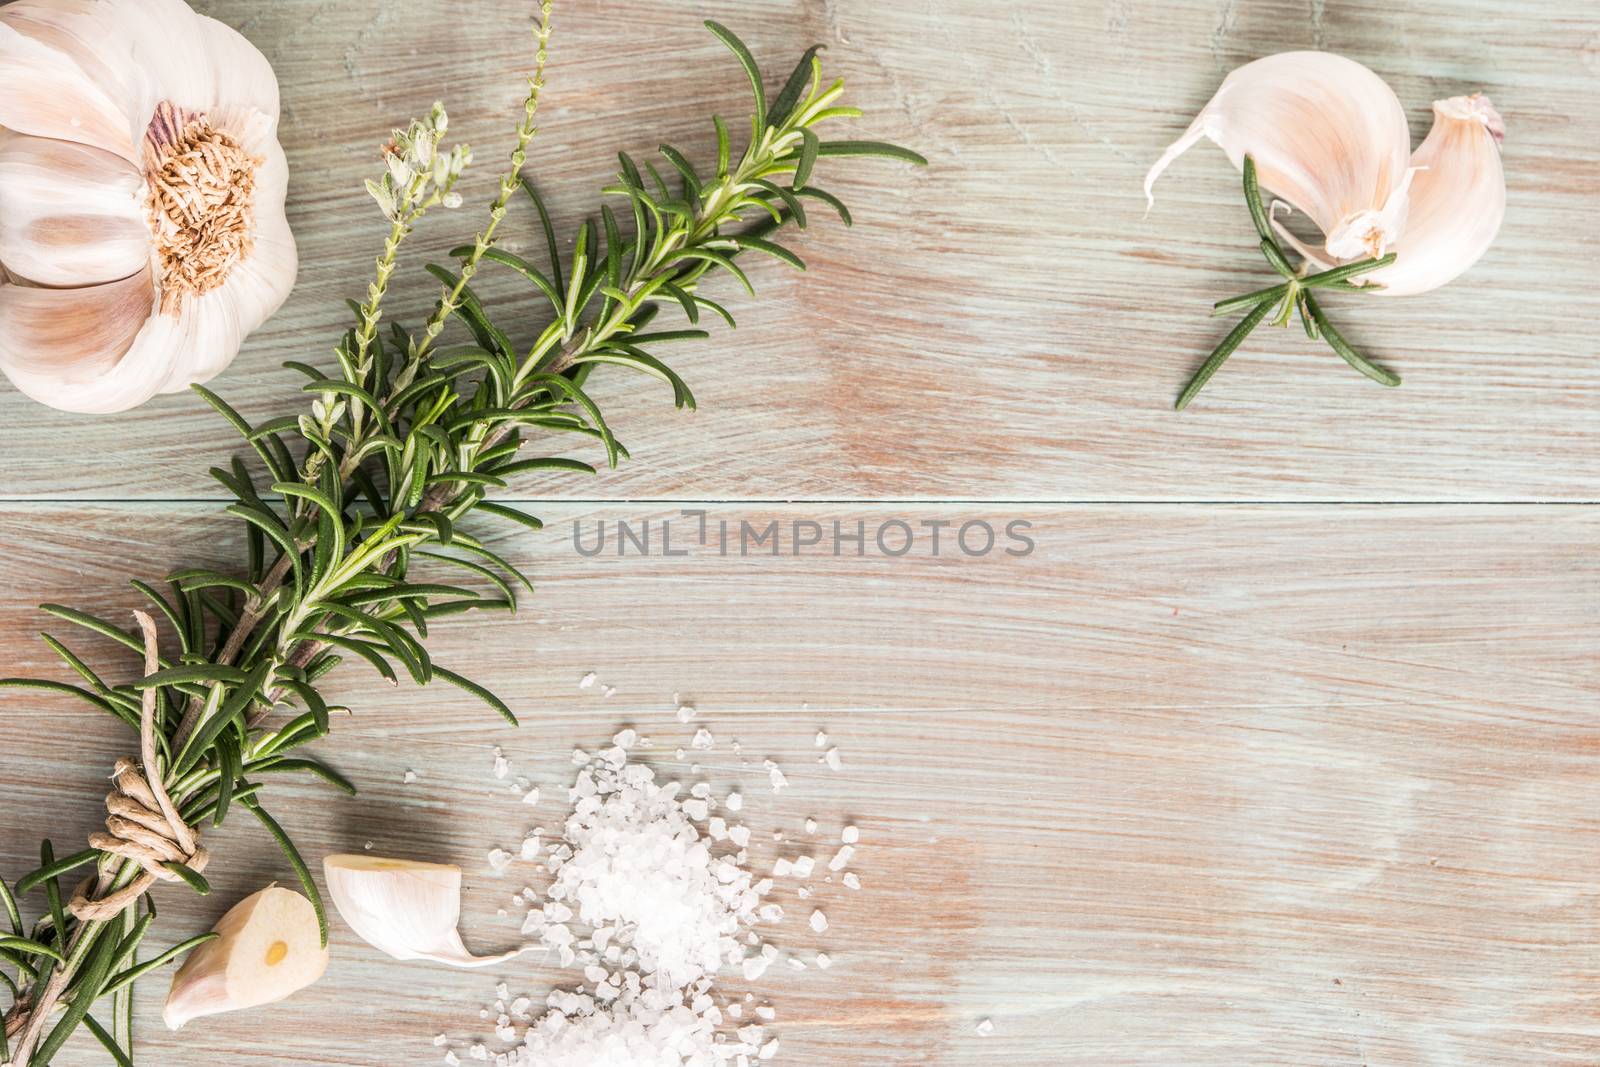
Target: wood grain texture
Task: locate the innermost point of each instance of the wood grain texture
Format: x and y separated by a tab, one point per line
1220	786
1004	325
1281	747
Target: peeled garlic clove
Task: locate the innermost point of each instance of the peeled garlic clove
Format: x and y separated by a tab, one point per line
70	215
1327	135
1458	198
407	909
270	946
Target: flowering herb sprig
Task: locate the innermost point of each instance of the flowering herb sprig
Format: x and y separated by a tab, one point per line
1280	302
360	514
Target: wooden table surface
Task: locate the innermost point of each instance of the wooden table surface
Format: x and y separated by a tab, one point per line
1281	746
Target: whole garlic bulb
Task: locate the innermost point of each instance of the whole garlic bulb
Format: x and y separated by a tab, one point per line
142	229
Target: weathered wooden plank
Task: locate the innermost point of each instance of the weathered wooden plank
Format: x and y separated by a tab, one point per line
1204	785
1007	324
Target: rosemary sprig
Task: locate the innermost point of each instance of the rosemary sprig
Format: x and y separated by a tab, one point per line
1283	300
385	476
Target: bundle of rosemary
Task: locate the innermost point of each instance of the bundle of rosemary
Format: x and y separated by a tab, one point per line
359	516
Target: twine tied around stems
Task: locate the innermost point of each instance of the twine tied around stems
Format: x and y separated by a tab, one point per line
142	822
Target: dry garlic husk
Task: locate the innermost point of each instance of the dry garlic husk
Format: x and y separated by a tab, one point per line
1329	138
142	229
1458	199
407	909
270	946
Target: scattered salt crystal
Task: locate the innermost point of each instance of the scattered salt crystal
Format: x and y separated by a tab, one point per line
440	1040
367	846
610	691
587	680
851	881
985	1027
841	858
645	900
502	766
451	1059
822	739
850	835
409	777
803	892
833	760
531	797
685	712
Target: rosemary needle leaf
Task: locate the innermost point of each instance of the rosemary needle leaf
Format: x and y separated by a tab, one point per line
1270	294
106	1040
1349	270
313	767
10	903
478	691
870	148
746	60
29	946
1252	199
776	251
126	978
293	855
1220	354
196	880
1337	342
789	96
509	514
29	882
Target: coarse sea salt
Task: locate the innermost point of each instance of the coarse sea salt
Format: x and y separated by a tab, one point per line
648	900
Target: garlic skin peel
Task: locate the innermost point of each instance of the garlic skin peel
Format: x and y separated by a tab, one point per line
142	186
1328	136
269	946
407	909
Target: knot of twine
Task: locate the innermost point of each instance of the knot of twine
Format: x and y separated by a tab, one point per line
142	822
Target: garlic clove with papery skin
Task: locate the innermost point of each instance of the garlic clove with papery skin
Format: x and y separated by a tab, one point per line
141	141
269	946
407	909
1328	136
1458	199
